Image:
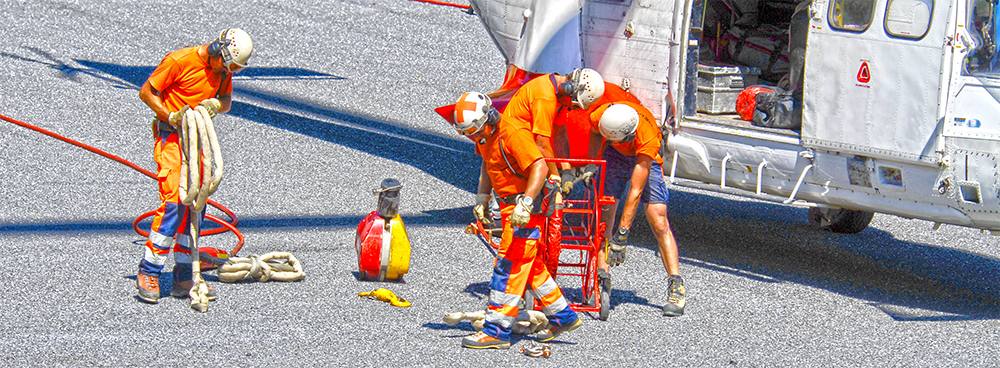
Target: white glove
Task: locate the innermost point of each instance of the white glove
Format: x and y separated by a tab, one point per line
175	117
212	105
522	211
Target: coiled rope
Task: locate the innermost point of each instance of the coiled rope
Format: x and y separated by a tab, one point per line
277	266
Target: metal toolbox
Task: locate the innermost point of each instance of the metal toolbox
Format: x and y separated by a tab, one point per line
727	76
718	100
720	84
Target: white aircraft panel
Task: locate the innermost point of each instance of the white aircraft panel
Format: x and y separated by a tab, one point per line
504	20
631	40
551	40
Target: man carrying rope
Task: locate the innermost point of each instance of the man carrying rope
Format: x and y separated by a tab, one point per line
185	79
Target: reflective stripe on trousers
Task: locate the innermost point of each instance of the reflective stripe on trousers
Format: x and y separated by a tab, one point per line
519	263
172	216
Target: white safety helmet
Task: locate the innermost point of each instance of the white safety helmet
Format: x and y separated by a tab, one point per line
618	122
234	46
473	111
587	87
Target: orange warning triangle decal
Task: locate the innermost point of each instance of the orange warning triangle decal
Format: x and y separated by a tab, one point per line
864	75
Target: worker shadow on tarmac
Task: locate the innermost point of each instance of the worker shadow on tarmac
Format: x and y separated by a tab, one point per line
772	243
445	158
465	328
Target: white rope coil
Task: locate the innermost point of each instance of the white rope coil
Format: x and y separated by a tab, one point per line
199	142
201	172
277	266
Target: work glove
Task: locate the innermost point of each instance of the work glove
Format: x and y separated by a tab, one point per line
522	211
588	172
212	105
567	177
615	252
479	210
175	117
551	188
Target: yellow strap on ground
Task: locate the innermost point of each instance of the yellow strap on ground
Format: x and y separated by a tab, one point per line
386	295
277	266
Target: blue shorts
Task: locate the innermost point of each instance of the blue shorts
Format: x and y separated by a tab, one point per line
619	175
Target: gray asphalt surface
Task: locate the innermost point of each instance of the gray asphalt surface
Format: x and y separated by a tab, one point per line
342	97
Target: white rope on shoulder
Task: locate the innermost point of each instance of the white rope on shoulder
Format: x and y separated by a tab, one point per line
277	266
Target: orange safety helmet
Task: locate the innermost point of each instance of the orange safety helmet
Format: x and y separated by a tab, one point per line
473	111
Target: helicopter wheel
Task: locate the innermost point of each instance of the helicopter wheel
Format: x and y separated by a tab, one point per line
840	220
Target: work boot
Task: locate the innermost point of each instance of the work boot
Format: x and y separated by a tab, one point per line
149	288
182	289
480	340
675	297
553	331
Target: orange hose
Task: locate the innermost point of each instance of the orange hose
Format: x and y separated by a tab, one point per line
230	226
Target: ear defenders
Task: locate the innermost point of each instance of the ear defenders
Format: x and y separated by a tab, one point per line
571	86
568	88
492	115
215	48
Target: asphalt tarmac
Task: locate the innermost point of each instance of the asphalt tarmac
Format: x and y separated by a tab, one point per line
341	96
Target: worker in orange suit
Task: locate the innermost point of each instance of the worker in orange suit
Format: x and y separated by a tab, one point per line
184	79
514	169
535	106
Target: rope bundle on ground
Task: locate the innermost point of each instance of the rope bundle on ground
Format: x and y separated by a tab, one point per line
278	266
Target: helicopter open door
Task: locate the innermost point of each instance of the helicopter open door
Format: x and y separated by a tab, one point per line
873	79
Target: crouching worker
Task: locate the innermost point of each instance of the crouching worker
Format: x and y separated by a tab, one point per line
633	160
513	167
192	76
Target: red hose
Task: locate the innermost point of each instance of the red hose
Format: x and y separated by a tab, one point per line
230	226
443	3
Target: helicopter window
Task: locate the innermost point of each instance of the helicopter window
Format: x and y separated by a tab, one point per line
908	18
851	15
982	57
